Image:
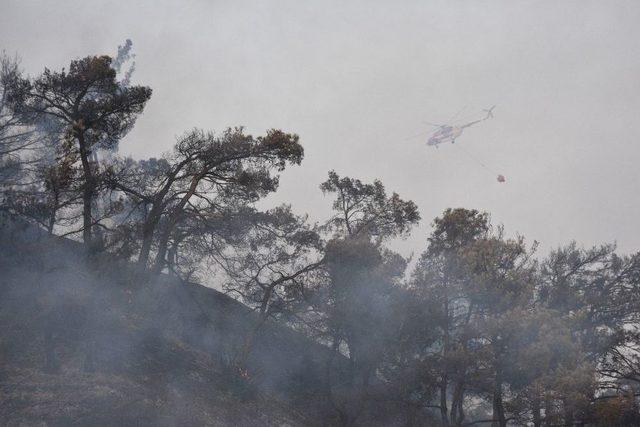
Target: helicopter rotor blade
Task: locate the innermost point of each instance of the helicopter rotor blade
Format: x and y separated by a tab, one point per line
417	135
457	114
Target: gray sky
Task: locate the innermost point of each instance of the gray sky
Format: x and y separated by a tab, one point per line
355	79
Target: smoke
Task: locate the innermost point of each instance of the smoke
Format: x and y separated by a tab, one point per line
122	347
124	63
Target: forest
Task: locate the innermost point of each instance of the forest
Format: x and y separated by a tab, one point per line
478	328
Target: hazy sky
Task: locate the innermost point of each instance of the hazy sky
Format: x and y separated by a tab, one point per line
356	79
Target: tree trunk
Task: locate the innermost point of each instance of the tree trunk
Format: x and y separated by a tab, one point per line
145	249
461	415
54	210
172	258
444	385
498	406
568	414
52	222
242	357
87	191
537	416
163	244
148	230
548	409
457	410
444	412
343	416
171	223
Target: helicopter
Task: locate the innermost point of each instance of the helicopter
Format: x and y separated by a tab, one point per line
449	133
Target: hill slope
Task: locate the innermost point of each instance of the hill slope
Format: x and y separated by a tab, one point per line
97	344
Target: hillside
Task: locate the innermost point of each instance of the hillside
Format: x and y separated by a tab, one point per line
97	344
